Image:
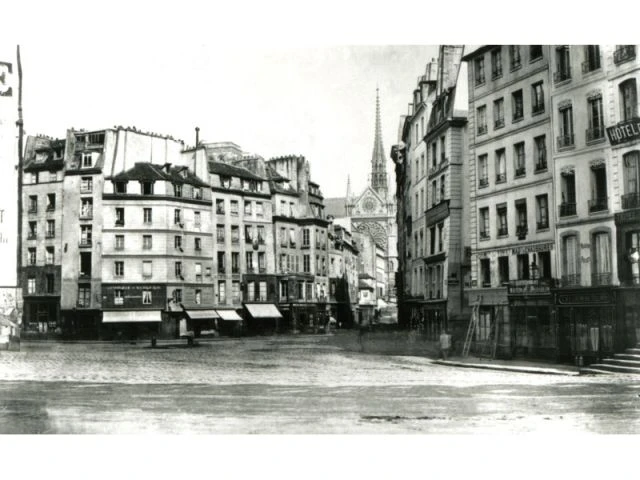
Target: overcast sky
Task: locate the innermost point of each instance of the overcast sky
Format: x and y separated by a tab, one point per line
315	101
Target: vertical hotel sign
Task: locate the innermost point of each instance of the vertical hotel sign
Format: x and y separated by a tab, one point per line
10	296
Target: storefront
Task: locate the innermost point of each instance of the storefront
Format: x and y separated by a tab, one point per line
493	332
263	318
230	322
586	320
533	329
131	324
203	321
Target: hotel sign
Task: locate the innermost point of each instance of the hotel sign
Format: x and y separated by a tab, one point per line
623	132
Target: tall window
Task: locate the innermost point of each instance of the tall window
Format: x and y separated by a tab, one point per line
442	188
177	242
235	262
563	64
485	272
147	215
565	118
86	185
517	106
51	229
631	172
177	189
119	216
235	292
496	63
306	263
434	150
221	262
31	256
599	199
479	70
31	285
51	202
262	265
601	253
570	260
501	166
177	295
483	171
147	269
86	160
197	219
247	208
249	261
119	242
235	234
535	52
33	203
443	149
503	269
498	113
177	217
568	194
233	208
537	98
441	237
484	223
85	235
118	269
523	266
628	99
592	58
432	243
49	256
84	295
220	233
518	156
33	230
86	208
542	212
521	218
514	57
147	242
481	119
146	297
147	188
222	291
541	153
596	125
306	235
501	212
219	206
178	269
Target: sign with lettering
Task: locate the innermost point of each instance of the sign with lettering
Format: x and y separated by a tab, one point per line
623	132
8	166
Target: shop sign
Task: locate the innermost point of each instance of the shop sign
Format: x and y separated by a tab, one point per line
540	247
623	132
584	298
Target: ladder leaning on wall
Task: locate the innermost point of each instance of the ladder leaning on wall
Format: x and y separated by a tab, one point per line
473	326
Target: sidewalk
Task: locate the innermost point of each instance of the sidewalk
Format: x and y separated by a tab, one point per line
520	366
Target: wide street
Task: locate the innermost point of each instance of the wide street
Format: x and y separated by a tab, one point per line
289	384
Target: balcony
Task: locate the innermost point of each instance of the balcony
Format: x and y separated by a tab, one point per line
595	134
503	231
484	236
567	209
600	279
501	177
499	123
541	165
630	200
570	280
624	53
483	182
562	75
565	141
598	204
521	231
591	65
542	225
482	129
50	235
537	108
520	172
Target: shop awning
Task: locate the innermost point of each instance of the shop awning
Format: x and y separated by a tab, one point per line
263	310
131	316
229	315
202	314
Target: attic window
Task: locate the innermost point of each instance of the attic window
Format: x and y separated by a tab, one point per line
184	173
177	189
120	187
96	138
225	181
41	157
197	192
147	188
87	161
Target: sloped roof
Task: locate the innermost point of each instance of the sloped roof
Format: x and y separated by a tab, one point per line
148	172
274	175
221	168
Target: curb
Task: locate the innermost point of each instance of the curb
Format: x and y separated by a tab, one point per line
507	368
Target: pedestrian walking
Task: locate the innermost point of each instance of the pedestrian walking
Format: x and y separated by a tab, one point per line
445	344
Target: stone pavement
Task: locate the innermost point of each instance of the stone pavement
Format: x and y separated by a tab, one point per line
517	365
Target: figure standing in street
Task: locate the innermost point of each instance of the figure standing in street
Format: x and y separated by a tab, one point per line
445	344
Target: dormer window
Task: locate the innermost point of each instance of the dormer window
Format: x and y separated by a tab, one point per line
177	189
120	187
197	192
147	188
225	181
41	157
184	173
87	160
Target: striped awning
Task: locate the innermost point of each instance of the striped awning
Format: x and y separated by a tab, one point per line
263	310
202	314
229	315
131	316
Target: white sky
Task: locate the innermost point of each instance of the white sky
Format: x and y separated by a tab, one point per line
317	101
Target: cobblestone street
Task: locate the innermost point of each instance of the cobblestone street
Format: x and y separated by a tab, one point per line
291	385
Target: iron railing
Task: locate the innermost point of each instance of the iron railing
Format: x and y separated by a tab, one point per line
595	133
567	209
624	53
630	200
598	204
565	141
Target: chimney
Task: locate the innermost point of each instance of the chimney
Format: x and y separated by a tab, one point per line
197	136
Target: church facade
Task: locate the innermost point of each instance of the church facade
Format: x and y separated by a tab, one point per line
373	212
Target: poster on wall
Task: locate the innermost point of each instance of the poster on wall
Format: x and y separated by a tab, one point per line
10	296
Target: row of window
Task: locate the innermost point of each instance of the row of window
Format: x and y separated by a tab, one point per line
147	188
32	229
32	205
289	263
302	290
515	61
522	227
235	262
147	269
234	207
517	108
252	234
37	177
419	240
289	238
147	217
537	267
599	200
432	281
519	162
250	185
49	255
438	194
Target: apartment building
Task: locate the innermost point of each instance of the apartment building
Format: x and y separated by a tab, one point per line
595	108
511	188
446	206
42	224
343	275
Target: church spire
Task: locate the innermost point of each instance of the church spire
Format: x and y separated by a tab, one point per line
347	203
378	163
